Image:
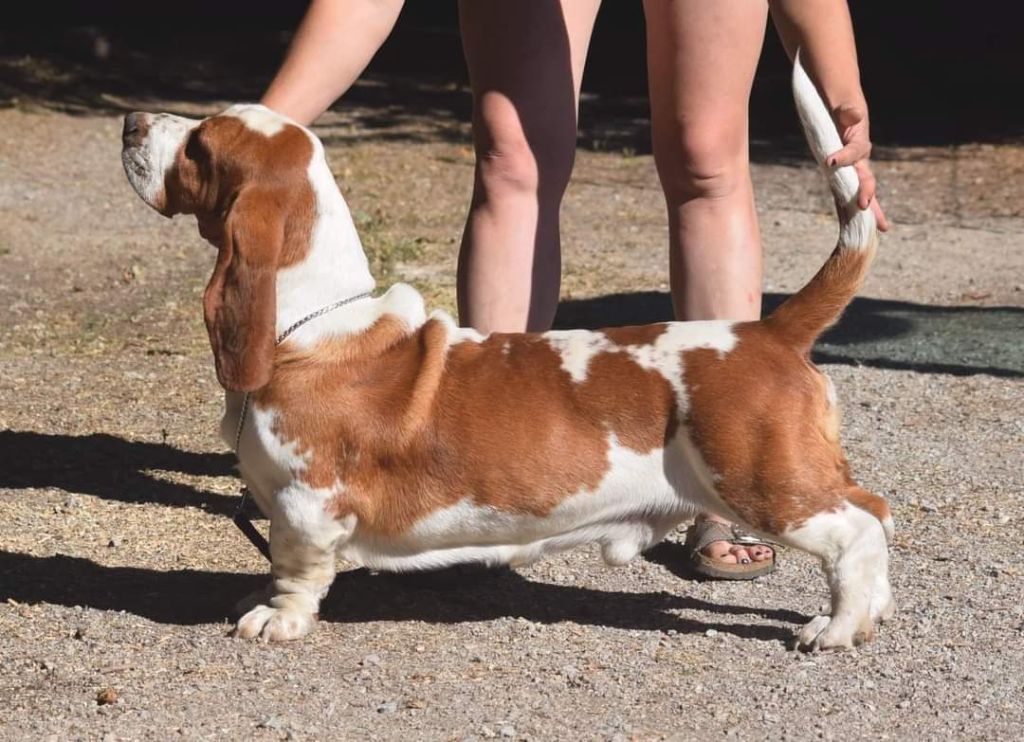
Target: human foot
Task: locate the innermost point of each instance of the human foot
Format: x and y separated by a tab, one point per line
719	550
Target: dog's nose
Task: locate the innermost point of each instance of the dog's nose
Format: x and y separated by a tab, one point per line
135	127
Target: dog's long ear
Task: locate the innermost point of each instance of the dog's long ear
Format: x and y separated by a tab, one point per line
240	302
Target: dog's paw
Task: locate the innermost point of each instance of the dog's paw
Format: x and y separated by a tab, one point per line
822	633
274	624
807	637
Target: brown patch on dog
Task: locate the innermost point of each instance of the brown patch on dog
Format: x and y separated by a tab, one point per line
410	425
761	419
869	501
635	335
223	158
804	316
252	197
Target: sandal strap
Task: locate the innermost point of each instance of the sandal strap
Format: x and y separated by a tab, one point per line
745	537
707	532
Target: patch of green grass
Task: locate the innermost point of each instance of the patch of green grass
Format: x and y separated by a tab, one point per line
384	251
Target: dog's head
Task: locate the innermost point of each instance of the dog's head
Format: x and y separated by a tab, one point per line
244	174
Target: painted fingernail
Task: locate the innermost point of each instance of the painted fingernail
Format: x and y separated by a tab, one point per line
744	561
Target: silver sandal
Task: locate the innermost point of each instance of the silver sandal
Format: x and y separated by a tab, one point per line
705	532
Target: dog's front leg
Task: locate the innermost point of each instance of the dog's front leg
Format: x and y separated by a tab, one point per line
303	541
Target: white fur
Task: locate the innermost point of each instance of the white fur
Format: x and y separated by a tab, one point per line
851	544
301	545
665	354
458	334
857	227
577	348
146	165
335	268
631	509
258	118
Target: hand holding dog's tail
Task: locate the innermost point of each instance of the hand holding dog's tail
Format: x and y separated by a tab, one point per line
805	315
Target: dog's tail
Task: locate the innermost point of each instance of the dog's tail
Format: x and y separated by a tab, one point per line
806	314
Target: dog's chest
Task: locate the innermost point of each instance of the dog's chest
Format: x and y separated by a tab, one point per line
266	461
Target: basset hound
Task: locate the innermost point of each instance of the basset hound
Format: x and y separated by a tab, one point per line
398	440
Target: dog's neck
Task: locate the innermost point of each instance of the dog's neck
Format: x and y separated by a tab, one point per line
334	269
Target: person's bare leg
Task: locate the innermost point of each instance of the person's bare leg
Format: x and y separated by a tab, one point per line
525	64
701	61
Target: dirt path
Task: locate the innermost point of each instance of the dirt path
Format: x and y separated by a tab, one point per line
118	568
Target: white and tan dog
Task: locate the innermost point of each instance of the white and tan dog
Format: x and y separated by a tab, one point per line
400	441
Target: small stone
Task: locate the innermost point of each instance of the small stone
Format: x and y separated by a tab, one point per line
106	697
508	731
48	666
388	707
113	543
273	722
371	660
711	632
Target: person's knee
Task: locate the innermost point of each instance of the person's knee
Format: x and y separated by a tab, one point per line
507	166
512	162
702	162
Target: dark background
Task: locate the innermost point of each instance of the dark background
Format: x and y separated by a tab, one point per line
935	72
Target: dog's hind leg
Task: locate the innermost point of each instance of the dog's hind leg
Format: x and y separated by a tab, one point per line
303	542
851	544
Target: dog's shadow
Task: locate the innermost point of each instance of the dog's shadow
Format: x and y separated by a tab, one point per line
113	468
188	597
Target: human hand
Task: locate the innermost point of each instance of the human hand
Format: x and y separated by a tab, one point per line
852	121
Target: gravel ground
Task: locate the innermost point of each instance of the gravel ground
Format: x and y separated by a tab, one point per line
118	569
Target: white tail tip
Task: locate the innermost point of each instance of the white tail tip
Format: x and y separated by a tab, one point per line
858	226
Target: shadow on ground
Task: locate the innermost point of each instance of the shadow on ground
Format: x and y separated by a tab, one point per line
112	468
883	334
190	597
